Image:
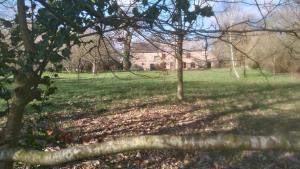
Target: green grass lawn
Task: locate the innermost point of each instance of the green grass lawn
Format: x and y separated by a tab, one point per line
263	102
225	93
111	105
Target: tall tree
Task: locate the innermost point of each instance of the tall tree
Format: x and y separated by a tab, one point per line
36	47
47	38
97	51
126	47
176	20
125	36
233	59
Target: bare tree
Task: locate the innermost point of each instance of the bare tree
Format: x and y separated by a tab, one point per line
125	37
176	21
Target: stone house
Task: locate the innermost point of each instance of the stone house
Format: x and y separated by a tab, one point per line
146	56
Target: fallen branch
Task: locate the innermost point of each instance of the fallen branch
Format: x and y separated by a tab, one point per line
158	142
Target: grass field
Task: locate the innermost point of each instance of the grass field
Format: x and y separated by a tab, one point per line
111	105
105	90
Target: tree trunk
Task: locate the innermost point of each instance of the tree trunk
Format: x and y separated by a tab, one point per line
23	93
13	126
153	142
232	57
25	33
94	68
205	53
245	68
179	52
78	69
231	48
274	65
127	48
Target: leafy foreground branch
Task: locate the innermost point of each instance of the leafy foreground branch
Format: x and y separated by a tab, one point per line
162	142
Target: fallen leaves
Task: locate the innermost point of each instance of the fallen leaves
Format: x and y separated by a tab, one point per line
139	119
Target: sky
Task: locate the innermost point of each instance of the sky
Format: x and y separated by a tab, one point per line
7	9
246	6
243	9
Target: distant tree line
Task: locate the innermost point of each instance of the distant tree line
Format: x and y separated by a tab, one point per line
275	52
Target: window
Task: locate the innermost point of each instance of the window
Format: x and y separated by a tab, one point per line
163	56
184	65
208	65
156	58
171	64
188	55
193	65
152	66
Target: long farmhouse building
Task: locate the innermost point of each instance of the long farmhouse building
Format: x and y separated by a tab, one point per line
148	56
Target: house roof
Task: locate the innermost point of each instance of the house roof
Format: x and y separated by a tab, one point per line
145	47
193	45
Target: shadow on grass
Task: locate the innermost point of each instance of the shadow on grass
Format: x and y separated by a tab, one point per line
95	97
254	108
